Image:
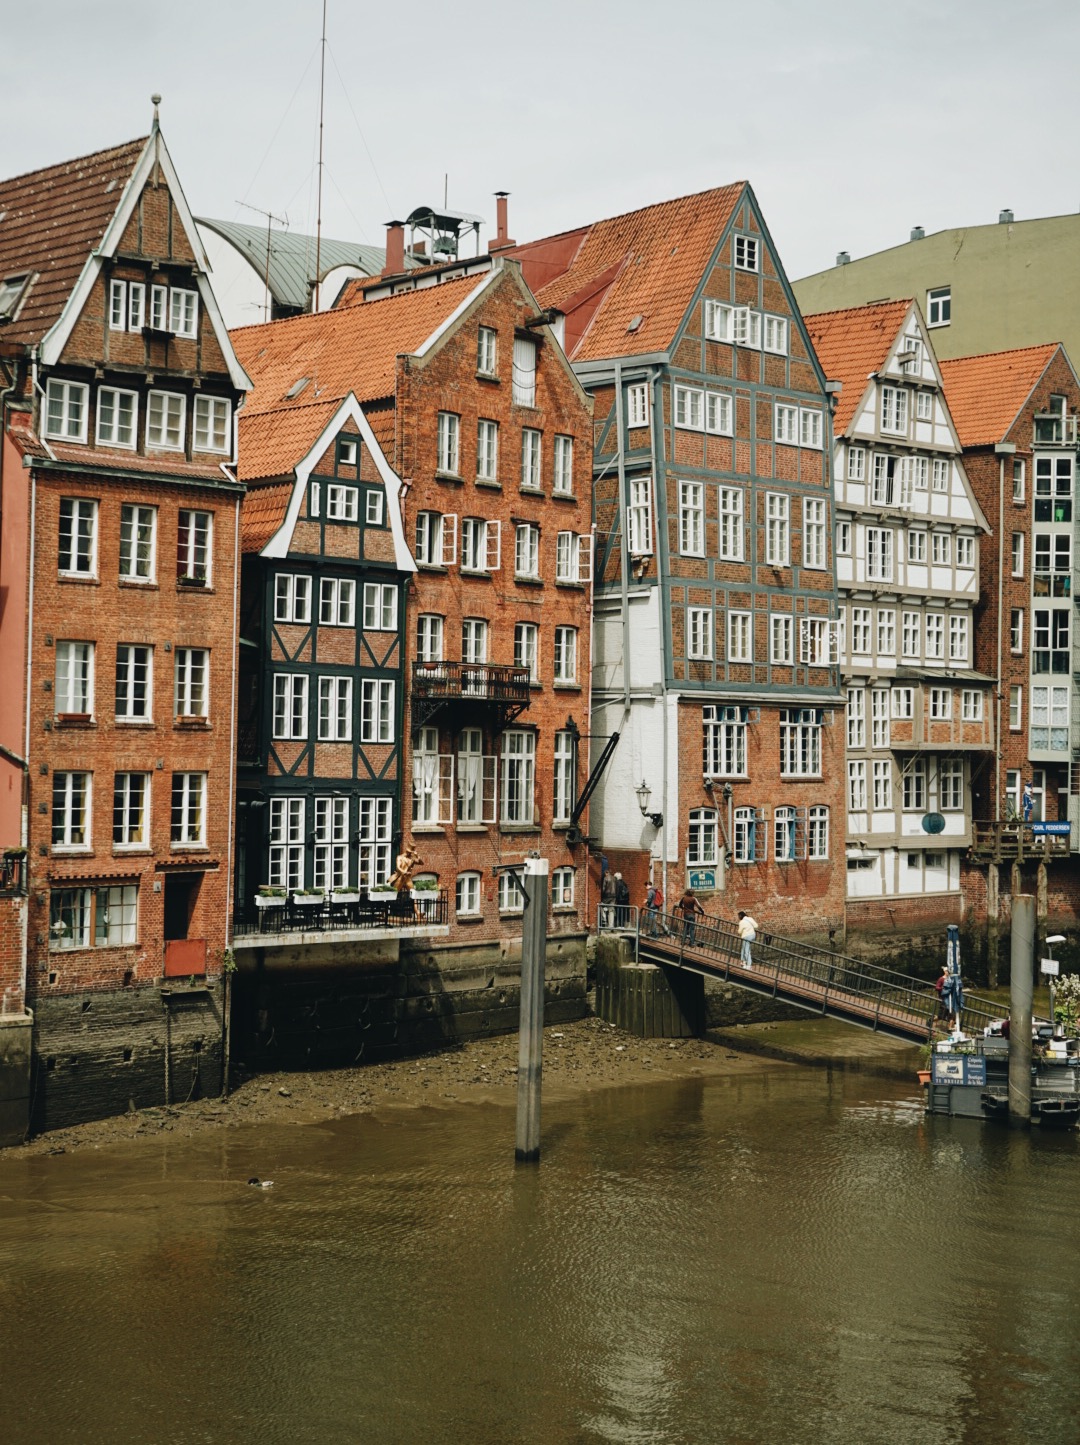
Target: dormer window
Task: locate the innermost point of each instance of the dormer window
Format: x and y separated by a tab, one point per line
11	293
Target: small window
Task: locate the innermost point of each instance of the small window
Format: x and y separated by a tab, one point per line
924	406
511	896
486	353
346	451
183	312
337	601
637	405
776	335
746	253
856	464
939	306
292	597
449	443
380	606
65	410
373	509
562	888
1018	554
117	417
342	503
719	321
1018	479
191	682
699	633
165	417
843	539
213	432
467	892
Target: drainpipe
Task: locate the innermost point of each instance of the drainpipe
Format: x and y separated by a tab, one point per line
1003	450
654	378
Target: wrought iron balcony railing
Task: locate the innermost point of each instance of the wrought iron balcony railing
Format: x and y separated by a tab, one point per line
495	687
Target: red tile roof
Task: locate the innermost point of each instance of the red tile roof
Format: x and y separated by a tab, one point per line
646	264
986	393
850	344
50	221
262	514
273	442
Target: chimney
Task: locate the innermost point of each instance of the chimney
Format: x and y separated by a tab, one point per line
395	248
917	233
502	240
843	258
1005	218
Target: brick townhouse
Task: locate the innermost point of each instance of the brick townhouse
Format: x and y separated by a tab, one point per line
910	539
715	632
120	534
1016	417
466	678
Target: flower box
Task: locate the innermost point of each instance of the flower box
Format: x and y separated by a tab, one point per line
308	900
270	900
345	895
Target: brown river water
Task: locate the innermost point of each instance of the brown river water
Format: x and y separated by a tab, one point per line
796	1255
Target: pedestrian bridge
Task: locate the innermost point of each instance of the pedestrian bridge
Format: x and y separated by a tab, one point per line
830	984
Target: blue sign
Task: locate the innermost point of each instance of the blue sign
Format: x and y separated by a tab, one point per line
703	880
1057	830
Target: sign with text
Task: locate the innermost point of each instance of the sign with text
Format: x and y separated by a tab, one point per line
703	880
1053	830
959	1069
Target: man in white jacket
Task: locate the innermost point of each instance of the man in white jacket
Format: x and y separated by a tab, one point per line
747	932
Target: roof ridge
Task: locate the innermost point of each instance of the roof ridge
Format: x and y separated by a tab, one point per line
1005	351
809	316
139	141
638	210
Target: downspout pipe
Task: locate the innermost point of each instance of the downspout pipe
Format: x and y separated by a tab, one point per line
656	409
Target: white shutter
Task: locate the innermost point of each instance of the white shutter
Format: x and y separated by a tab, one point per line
489	798
449	539
445	813
804	639
584	557
493	547
524	379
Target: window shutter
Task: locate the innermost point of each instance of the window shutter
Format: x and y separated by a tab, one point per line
449	539
445	812
493	546
804	639
489	797
584	557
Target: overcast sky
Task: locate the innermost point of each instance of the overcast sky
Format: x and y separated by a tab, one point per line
853	120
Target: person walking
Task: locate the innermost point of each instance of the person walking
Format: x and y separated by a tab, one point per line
607	900
622	898
652	927
689	907
748	933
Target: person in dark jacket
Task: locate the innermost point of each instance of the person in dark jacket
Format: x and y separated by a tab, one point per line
622	898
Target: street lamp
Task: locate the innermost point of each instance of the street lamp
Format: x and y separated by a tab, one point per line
644	793
1050	967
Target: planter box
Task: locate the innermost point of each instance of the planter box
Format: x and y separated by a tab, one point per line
308	900
266	900
341	895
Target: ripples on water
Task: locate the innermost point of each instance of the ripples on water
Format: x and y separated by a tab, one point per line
795	1256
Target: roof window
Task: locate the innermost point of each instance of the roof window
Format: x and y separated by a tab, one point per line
11	293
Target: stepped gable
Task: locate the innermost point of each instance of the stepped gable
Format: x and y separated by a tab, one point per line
50	222
986	393
646	263
852	343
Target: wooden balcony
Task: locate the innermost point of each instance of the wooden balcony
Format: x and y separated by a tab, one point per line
502	693
1010	840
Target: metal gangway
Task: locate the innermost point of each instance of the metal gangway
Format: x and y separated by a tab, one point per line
825	983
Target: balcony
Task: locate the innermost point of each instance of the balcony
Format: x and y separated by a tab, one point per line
1009	839
290	919
501	692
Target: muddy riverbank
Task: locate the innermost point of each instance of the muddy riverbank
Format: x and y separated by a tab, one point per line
578	1057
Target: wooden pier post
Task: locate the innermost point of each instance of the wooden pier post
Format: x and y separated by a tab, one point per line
1021	982
531	1031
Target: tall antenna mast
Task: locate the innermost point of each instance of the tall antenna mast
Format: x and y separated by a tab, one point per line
318	218
282	221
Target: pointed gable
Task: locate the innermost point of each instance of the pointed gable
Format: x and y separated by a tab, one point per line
986	393
639	270
852	344
50	222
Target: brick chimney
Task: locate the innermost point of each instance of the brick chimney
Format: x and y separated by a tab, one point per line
502	240
395	248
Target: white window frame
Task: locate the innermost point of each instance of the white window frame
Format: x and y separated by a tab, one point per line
563	793
562	478
692	519
939	306
776	335
526	550
212	424
815	553
777	529
131	810
65	415
566	651
166	421
138	543
114	431
786	424
72	811
188	810
191	682
380	607
342	502
195	546
637	404
810	427
448	444
719	413
183	312
467	895
747	253
894	410
699	633
337	602
882	784
740	637
290	706
639	517
781	633
527	649
702	838
286	843
73	685
292	597
562	889
731	538
377	710
690	408
487	351
129	685
335	717
517	781
330	854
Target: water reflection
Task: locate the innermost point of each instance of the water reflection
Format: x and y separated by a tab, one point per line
796	1255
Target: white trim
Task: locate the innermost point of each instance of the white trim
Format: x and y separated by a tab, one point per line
155	150
455	315
280	543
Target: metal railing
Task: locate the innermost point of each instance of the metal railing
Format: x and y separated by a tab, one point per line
1011	838
300	913
814	978
484	681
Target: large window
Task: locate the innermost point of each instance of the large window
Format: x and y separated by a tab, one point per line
879	554
856	717
448	442
376	710
133	683
915	786
166	413
117	417
286	855
193	550
750	842
131	810
860	631
731	524
475	780
71	810
74	681
376	823
213	430
1053	489
331	854
777	529
290	705
337	601
1050	639
335	709
78	536
481	545
530	459
65	410
573	557
191	693
566	639
426	776
800	742
93	917
699	632
1049	718
189	809
564	791
724	741
951	784
138	533
429	637
702	839
518	776
879	717
487	451
639	517
692	519
527	549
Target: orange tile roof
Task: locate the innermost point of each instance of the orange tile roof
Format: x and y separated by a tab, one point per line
273	442
174	466
645	263
852	343
348	349
50	221
262	514
986	393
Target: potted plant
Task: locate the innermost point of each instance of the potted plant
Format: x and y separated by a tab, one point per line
270	897
345	895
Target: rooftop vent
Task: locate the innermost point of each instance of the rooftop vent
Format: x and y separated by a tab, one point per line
843	258
1005	218
296	388
917	233
635	322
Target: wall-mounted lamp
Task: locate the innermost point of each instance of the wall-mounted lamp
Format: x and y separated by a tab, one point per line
644	793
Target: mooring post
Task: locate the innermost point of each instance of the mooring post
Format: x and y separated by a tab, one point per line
1020	993
531	1028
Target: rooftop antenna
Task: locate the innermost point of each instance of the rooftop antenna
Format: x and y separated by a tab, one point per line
318	217
282	221
445	189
